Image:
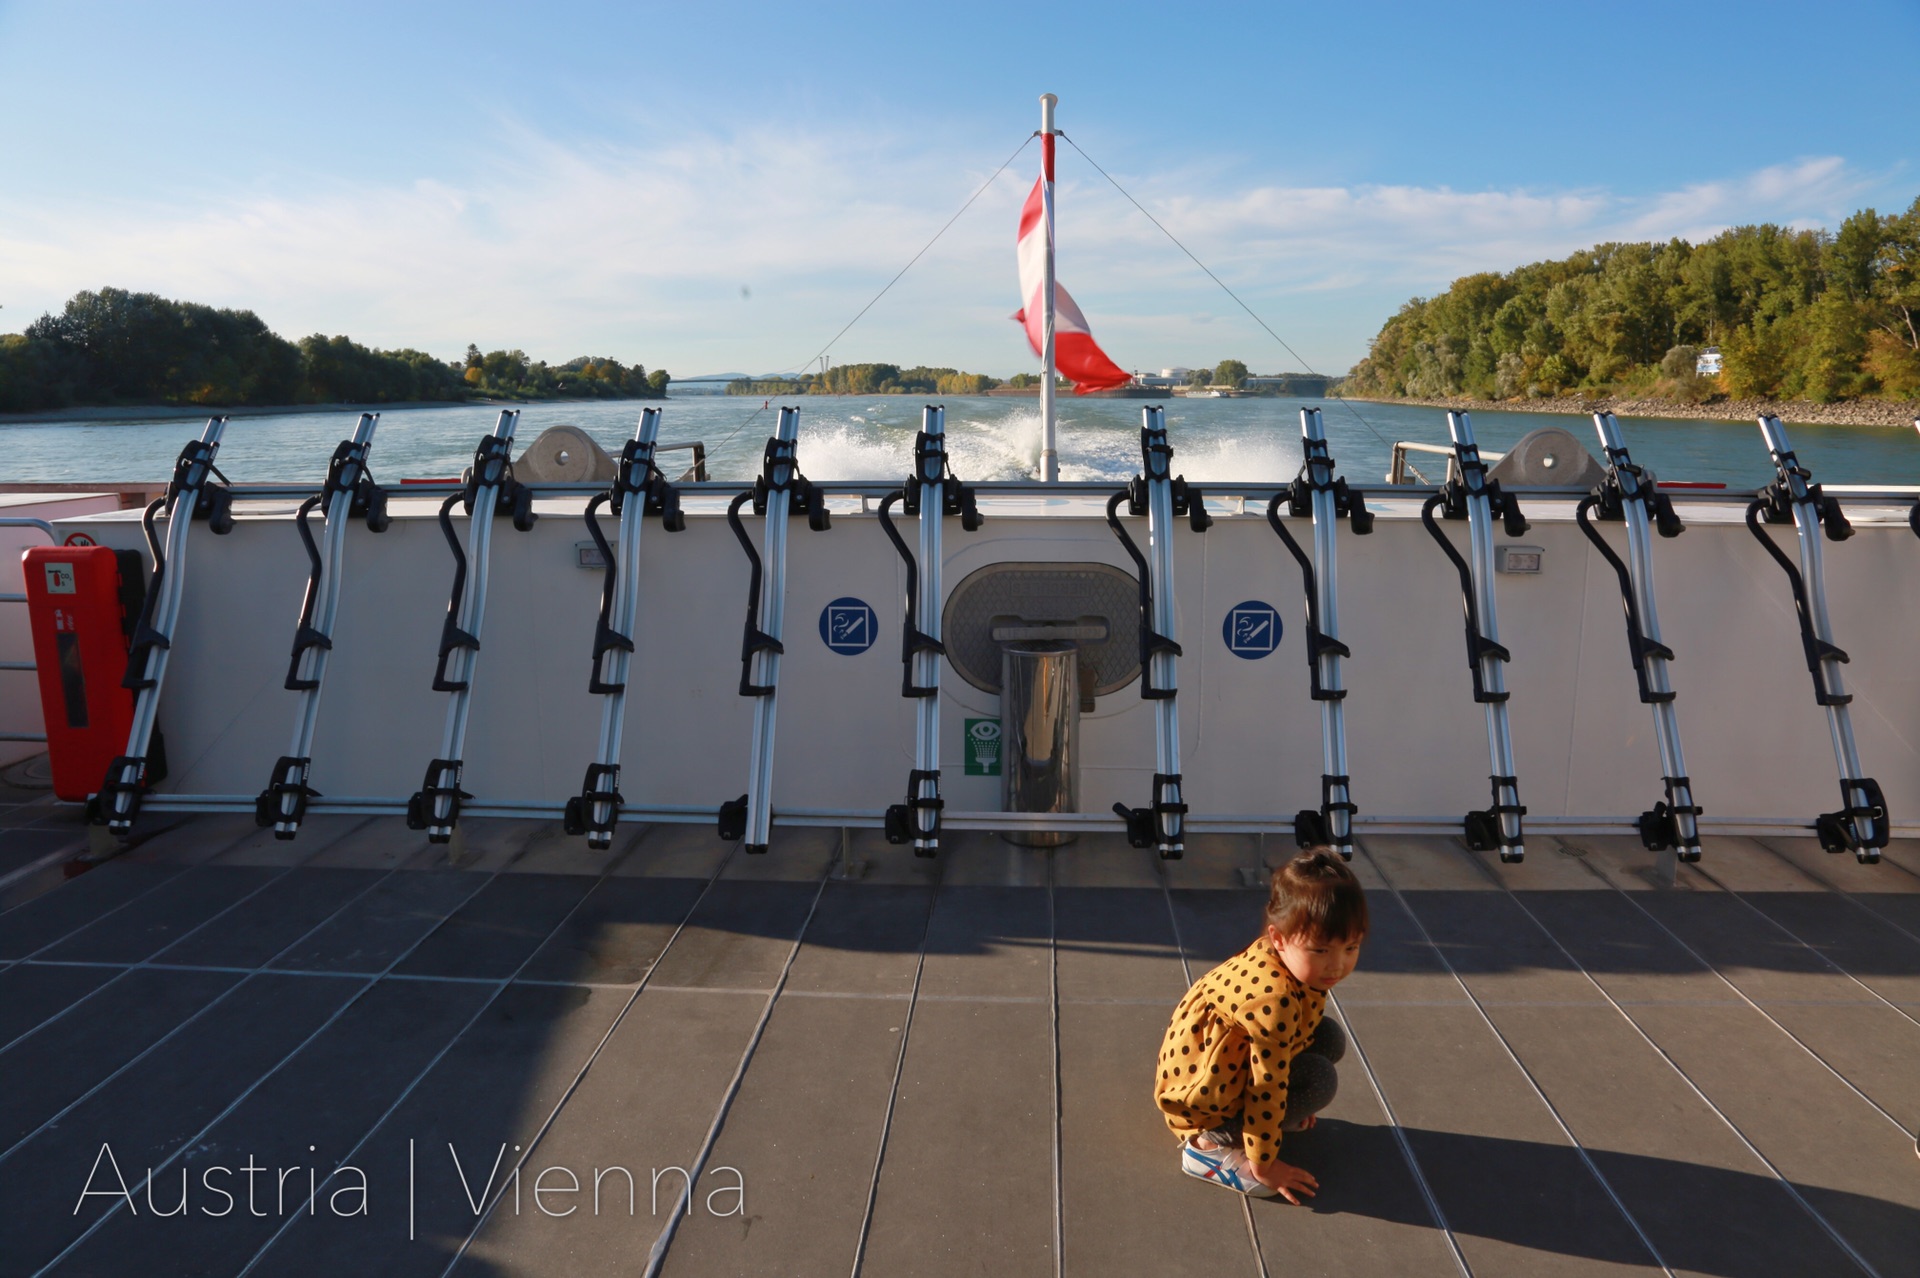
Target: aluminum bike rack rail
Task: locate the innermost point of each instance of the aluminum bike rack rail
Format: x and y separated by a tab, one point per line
932	493
1477	499
1318	493
128	776
639	489
1861	826
348	491
780	492
1630	494
1160	496
435	807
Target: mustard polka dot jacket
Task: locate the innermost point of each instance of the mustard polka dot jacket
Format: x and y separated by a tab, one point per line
1229	1048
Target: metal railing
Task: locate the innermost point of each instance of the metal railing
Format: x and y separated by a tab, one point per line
1401	467
694	474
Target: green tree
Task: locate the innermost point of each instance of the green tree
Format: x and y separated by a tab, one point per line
1230	372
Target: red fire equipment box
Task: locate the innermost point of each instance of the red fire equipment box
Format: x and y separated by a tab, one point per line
82	602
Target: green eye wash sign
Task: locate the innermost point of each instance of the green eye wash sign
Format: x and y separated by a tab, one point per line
983	748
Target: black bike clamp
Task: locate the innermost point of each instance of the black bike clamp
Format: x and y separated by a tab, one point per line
579	818
1483	828
1313	827
956	498
420	808
1316	460
904	821
1660	826
289	779
640	475
493	467
733	819
1155	824
1610	494
1842	831
781	458
212	502
103	808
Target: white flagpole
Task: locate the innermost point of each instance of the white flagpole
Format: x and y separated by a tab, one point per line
1049	461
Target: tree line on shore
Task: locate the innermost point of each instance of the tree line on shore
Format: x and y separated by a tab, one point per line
869	379
115	347
1795	314
891	379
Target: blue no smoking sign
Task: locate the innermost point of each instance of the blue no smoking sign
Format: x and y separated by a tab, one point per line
1252	629
848	626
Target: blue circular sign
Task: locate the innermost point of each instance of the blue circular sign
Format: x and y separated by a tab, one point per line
1252	629
848	626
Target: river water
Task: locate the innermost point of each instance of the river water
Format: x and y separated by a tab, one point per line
1219	440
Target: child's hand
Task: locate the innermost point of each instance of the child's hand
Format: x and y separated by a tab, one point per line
1286	1178
1309	1121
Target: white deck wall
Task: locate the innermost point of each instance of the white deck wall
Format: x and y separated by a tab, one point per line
1756	743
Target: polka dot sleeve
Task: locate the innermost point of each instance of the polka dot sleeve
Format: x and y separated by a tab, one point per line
1278	1016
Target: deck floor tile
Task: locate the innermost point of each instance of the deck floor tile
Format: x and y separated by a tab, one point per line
968	1183
76	904
803	1134
148	1114
258	928
738	937
645	1105
157	920
493	1090
307	1116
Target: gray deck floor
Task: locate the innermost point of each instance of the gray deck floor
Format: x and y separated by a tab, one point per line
935	1068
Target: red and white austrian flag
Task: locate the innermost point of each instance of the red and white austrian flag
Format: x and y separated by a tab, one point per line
1078	358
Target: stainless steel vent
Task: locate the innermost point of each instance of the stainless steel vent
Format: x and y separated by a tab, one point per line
1039	594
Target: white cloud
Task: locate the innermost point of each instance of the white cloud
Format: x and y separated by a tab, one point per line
643	253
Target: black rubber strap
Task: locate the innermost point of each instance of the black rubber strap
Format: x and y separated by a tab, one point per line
1639	646
1478	645
1318	644
452	637
754	639
1151	640
1812	647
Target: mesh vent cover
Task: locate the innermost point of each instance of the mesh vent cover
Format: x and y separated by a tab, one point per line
1009	594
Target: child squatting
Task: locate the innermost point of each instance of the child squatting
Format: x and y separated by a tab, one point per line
1249	1054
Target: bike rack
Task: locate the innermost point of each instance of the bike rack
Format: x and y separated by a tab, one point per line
780	492
932	493
129	776
1161	497
435	807
349	490
639	490
1861	826
1316	492
1477	499
1630	494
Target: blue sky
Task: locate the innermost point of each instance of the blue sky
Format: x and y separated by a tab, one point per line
718	186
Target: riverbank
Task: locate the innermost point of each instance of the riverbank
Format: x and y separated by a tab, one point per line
1859	412
173	412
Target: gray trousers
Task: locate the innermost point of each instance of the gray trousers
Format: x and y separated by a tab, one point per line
1312	1081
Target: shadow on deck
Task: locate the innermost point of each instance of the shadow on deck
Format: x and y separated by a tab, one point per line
514	1064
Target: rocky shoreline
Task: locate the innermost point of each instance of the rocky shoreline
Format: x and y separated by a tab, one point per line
1861	412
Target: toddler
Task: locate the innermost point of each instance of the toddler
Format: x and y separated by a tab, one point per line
1248	1055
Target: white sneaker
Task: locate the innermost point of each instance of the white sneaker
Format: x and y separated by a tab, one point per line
1228	1167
